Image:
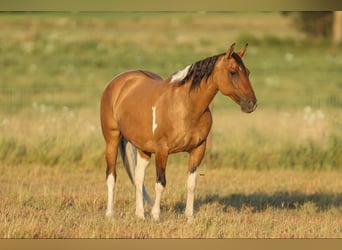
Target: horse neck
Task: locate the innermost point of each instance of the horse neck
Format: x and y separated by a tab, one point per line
201	97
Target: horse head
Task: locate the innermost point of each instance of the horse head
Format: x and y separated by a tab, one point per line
232	79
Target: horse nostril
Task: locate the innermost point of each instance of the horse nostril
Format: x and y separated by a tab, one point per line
252	105
255	105
249	105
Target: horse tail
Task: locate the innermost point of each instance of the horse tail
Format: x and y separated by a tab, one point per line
129	155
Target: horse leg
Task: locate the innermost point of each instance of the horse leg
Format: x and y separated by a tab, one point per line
161	160
195	158
142	162
112	143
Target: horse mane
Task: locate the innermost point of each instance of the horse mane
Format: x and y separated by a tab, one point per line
201	69
198	70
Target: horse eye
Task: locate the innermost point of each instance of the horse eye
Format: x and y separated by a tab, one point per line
233	73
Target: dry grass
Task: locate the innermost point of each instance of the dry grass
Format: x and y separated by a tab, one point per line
45	202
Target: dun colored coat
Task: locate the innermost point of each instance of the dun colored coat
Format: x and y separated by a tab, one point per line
142	114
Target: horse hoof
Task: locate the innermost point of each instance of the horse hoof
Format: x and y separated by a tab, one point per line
110	214
140	216
190	220
155	217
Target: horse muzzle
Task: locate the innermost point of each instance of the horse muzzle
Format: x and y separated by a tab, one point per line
249	105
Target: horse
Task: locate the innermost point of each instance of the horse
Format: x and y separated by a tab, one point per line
141	114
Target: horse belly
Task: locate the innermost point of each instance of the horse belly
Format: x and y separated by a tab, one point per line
136	130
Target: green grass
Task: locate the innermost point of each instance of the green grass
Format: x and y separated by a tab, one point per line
268	139
272	173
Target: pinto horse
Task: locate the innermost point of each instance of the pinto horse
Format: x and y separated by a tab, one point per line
142	114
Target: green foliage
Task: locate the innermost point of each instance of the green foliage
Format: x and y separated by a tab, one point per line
316	24
310	156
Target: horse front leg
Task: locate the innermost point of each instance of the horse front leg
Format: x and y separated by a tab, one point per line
195	158
161	160
142	162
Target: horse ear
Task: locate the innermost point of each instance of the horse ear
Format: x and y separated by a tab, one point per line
243	50
230	51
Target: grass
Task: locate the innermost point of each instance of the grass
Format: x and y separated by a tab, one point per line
64	203
294	139
273	139
274	173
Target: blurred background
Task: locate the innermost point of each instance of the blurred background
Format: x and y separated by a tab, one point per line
54	67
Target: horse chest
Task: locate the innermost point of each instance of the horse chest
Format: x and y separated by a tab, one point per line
184	136
186	142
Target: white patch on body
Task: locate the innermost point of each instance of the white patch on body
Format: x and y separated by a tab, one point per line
159	188
154	123
180	74
110	186
139	176
189	209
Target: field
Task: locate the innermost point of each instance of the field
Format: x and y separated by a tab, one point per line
275	173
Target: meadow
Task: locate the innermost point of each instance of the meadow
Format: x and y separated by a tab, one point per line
275	173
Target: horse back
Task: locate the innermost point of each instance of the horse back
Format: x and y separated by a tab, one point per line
150	75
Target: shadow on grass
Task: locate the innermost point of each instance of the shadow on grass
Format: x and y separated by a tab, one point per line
259	202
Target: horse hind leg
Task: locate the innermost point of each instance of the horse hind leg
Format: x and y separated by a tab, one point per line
111	155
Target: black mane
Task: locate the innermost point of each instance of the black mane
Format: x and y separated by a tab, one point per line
199	70
204	68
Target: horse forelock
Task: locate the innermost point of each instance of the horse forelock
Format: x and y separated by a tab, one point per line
239	62
197	71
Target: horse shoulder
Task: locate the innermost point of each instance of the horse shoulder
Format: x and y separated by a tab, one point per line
200	128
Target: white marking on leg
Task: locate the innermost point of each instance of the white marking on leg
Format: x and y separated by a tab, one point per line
154	123
110	186
191	183
159	188
139	176
180	74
